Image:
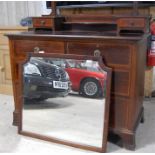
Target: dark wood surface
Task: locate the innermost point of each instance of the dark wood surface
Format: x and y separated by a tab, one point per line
62	35
126	55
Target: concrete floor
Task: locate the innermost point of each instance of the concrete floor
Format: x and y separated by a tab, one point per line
11	142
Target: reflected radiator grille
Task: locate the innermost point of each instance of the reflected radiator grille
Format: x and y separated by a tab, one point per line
53	73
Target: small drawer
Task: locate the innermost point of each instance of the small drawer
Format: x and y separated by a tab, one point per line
22	46
42	22
132	23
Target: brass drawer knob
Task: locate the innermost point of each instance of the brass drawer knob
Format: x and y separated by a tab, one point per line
42	22
97	53
36	50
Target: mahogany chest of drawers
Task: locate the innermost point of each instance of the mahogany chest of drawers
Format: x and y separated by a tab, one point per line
125	55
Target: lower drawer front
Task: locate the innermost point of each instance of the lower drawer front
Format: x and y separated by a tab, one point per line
114	55
46	46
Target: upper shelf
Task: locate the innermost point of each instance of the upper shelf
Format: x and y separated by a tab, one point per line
116	5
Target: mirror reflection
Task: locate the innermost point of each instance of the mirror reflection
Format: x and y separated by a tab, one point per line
64	99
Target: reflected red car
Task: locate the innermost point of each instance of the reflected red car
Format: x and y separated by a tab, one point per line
88	81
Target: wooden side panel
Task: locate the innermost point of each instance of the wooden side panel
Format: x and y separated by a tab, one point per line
138	83
121	83
118	111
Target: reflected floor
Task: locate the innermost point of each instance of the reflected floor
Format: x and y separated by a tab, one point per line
64	118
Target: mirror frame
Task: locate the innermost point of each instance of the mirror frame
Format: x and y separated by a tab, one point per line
53	139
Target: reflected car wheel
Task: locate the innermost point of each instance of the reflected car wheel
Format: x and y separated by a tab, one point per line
90	88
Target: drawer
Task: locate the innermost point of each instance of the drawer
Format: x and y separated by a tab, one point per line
115	55
42	22
46	46
132	23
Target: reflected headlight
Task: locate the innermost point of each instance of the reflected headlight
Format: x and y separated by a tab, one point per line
31	69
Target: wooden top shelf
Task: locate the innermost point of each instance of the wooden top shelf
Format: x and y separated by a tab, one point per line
116	5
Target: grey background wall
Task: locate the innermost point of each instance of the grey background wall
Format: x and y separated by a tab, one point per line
11	12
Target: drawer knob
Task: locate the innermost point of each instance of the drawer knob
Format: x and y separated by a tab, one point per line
97	53
42	22
36	49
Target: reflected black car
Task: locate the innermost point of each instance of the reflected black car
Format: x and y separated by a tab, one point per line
43	80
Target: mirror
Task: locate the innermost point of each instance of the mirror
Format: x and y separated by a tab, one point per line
66	100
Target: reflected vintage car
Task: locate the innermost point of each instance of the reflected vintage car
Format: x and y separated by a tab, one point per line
43	80
87	77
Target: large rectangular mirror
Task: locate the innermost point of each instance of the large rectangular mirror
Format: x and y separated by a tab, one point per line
66	100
